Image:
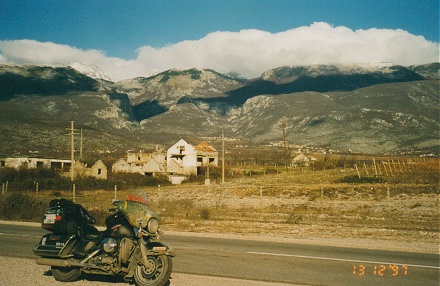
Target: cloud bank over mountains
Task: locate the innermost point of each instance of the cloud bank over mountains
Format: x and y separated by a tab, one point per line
247	52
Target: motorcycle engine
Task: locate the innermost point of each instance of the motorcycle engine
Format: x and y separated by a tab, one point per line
109	244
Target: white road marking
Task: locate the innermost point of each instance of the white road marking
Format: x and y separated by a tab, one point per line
341	259
20	235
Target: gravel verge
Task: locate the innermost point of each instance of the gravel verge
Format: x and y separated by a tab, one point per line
21	271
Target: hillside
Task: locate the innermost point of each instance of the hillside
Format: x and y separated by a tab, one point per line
390	117
373	109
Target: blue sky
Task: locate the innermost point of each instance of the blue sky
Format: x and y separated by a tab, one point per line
127	30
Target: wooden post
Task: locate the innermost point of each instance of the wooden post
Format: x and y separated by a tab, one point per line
36	188
385	168
405	165
73	192
391	169
116	190
357	170
375	170
394	165
379	170
322	198
366	170
400	166
388	199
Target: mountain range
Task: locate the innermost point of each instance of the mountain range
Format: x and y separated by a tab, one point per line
381	108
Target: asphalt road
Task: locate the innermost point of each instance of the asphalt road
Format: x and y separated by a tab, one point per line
270	261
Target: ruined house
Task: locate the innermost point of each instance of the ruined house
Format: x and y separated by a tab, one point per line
303	160
33	163
150	164
186	159
98	170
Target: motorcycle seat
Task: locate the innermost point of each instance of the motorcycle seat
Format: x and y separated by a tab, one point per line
91	233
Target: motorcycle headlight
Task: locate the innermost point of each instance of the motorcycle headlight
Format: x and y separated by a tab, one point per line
153	225
109	244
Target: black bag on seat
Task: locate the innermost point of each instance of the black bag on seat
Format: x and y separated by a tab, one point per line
65	217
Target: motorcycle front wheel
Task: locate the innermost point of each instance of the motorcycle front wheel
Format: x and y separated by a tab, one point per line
156	273
65	274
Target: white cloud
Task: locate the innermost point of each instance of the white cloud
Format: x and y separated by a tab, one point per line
248	52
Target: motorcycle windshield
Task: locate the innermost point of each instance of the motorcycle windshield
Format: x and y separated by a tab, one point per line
136	211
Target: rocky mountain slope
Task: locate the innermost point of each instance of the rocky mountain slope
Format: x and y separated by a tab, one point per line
374	109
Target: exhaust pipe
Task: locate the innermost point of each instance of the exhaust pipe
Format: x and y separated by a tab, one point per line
53	262
63	263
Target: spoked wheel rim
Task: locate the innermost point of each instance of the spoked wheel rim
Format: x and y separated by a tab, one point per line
151	268
156	272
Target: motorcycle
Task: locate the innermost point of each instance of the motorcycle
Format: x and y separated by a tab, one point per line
129	246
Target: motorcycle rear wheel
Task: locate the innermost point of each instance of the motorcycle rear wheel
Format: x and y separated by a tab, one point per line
156	273
65	274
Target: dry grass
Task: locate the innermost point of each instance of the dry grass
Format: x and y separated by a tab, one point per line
301	203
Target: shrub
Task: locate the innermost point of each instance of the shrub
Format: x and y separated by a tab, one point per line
204	214
21	207
125	180
26	179
356	180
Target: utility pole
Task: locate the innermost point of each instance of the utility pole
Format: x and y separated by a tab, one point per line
72	154
207	180
81	144
223	156
283	125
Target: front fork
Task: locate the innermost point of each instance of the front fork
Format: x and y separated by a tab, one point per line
153	249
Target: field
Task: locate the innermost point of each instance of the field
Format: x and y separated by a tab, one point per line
302	203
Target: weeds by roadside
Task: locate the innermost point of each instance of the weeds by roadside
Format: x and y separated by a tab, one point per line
285	203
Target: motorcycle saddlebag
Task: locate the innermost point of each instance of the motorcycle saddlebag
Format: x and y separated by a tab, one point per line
56	245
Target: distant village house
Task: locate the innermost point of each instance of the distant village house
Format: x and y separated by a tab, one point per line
98	170
33	163
303	160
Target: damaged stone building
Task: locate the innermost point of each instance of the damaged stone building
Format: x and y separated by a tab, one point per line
182	158
98	170
186	159
150	164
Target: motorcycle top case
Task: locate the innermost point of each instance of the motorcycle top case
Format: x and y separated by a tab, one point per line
57	212
51	216
61	212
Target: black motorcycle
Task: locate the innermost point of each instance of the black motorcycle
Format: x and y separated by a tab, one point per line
128	247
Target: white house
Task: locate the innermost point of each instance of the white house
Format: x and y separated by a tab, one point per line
184	158
303	160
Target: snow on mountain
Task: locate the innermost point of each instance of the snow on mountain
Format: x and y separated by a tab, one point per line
91	71
289	72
